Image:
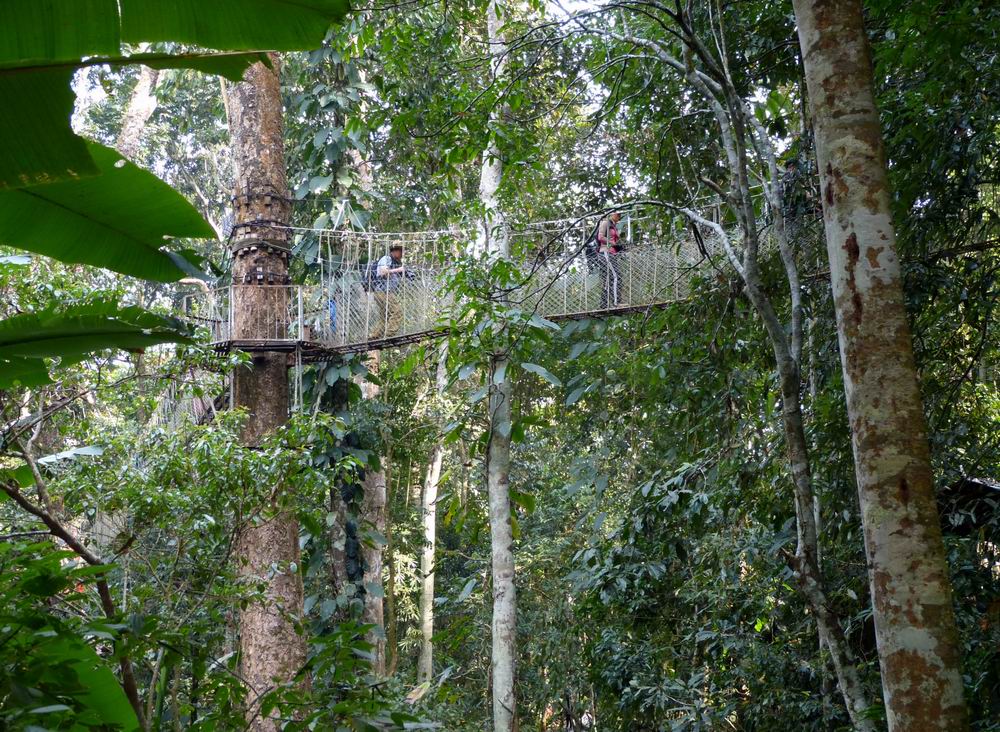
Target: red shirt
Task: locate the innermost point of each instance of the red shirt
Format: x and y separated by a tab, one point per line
610	239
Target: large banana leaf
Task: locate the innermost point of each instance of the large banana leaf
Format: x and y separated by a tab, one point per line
27	372
68	30
38	144
230	65
117	219
69	333
72	331
35	35
58	30
46	148
279	25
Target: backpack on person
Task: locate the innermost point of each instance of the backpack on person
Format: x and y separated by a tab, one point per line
591	247
369	277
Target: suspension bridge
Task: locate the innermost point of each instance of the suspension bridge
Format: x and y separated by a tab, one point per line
338	315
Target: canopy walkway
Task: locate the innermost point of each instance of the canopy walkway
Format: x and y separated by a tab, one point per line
317	322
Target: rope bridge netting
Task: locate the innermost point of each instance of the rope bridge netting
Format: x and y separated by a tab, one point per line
339	314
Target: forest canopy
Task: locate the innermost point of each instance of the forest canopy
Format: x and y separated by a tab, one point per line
625	366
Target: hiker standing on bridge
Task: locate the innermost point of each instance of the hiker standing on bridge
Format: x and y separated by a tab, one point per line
389	275
797	201
608	248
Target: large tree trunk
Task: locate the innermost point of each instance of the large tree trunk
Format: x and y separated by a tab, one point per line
914	618
271	651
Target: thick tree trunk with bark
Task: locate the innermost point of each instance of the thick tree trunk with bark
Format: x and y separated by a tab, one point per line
911	593
271	652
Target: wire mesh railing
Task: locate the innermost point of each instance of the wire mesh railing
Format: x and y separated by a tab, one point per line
561	278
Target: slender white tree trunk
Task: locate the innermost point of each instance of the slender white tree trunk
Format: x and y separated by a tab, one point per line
493	233
911	593
425	665
504	624
502	542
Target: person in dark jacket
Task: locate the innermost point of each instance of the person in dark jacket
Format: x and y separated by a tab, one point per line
388	312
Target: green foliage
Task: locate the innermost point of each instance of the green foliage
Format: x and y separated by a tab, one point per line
42	147
51	673
648	485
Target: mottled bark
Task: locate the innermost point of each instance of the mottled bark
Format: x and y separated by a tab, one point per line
493	235
271	651
496	240
914	617
337	539
391	616
140	108
504	626
373	510
425	664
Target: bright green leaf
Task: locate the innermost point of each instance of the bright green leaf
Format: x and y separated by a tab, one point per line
543	372
526	501
27	372
280	25
116	220
84	329
60	30
39	146
230	65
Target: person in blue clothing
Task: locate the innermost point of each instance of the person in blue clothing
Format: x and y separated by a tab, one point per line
388	311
